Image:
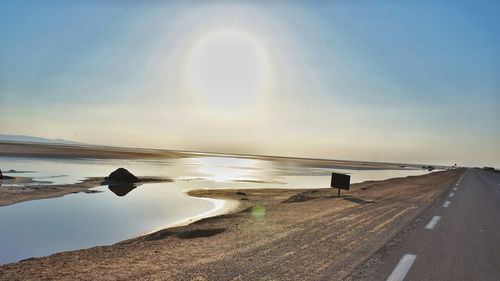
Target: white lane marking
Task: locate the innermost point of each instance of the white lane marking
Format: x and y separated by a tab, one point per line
446	204
404	265
433	222
451	194
455	188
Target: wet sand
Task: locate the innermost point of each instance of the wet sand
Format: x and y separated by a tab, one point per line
274	234
42	190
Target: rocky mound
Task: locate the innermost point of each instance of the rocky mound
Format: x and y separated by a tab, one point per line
121	175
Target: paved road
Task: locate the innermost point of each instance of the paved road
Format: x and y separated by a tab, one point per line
454	240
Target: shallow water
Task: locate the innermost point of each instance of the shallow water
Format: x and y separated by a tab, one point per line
75	221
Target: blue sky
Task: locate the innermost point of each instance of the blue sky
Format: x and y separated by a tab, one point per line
370	80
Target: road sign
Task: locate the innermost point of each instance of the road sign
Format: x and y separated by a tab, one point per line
340	181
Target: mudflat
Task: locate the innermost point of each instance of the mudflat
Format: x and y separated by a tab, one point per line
85	151
14	194
42	150
274	234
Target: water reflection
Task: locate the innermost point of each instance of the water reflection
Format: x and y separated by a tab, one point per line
42	227
220	169
75	221
121	189
214	169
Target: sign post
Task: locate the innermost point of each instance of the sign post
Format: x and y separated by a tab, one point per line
340	181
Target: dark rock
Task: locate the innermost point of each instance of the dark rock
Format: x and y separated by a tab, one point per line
187	234
300	197
91	191
241	193
1	177
122	175
199	233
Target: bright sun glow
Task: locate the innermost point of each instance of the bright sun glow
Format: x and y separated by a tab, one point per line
229	169
228	70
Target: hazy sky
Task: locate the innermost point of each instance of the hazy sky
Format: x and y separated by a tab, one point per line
411	81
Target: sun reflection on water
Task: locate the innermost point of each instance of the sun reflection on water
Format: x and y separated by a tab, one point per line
221	169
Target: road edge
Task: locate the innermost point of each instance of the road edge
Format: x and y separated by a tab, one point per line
361	271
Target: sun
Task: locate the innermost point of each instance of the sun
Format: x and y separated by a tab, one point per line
228	70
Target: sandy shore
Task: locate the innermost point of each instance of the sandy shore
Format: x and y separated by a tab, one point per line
272	235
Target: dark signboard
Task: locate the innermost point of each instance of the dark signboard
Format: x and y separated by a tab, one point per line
340	181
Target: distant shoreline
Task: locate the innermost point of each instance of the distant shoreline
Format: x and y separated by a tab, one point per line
44	150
